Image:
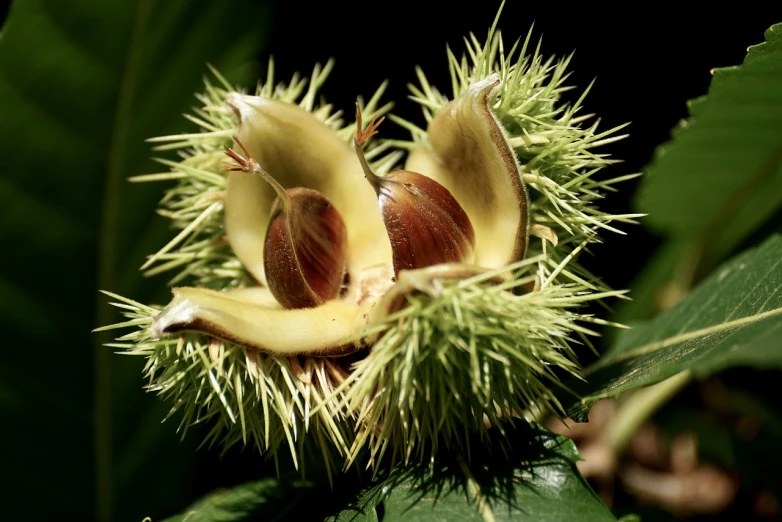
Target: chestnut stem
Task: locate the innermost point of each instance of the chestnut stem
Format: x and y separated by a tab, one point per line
360	139
249	165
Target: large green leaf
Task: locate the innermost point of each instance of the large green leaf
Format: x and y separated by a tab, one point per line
721	175
536	480
82	85
718	179
734	318
545	488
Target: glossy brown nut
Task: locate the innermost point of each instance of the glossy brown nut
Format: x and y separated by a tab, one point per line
305	250
425	223
306	244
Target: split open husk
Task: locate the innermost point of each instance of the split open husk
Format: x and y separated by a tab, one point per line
467	152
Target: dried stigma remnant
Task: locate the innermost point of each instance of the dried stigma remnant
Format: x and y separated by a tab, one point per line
447	311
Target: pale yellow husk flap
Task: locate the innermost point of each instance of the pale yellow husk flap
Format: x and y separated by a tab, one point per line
248	320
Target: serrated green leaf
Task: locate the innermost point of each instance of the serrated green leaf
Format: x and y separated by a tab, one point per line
734	318
718	179
721	175
82	84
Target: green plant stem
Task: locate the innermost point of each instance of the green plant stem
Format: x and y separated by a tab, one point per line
638	406
107	262
475	489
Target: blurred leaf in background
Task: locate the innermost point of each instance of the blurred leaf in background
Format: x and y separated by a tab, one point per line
82	85
714	190
716	182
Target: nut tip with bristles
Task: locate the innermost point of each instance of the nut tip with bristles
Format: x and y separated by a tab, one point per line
363	135
240	163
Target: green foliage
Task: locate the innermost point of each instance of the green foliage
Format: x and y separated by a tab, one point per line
234	504
718	179
721	175
731	319
537	481
81	88
547	487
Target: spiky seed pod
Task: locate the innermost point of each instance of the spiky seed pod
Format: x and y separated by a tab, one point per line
305	248
425	224
437	352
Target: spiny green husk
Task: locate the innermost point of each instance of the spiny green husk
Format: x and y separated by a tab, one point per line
554	151
470	357
246	396
448	367
556	154
451	364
